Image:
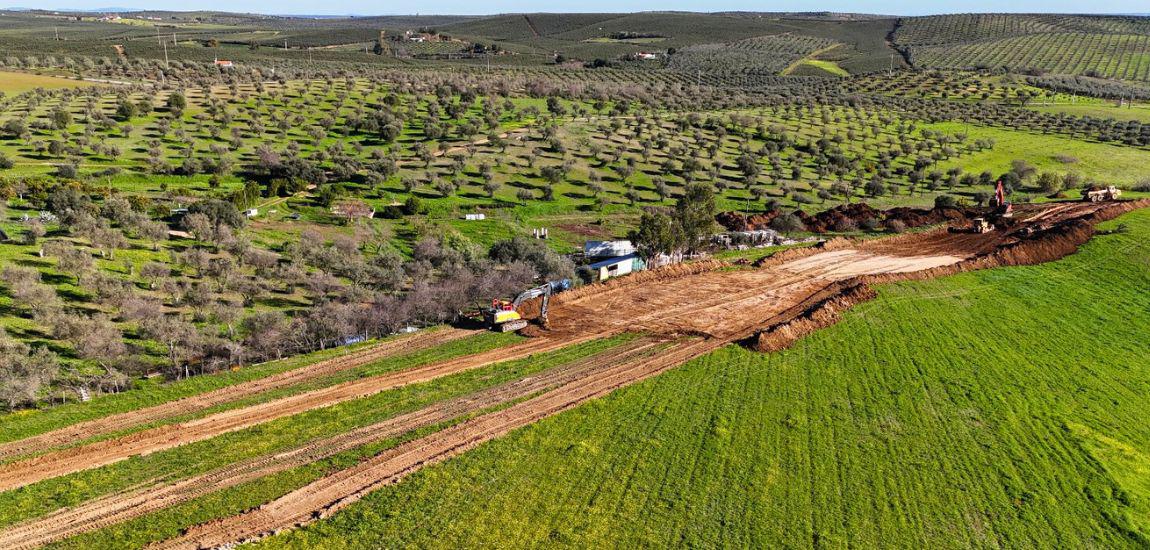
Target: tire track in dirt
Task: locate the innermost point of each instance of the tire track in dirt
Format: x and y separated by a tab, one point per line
334	492
101	453
121	507
138	417
692	300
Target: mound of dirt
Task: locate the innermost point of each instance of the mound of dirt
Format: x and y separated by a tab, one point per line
848	217
1051	235
821	310
845	217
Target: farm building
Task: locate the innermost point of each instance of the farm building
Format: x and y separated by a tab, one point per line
614	267
607	249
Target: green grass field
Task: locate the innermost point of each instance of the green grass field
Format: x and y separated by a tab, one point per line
1002	408
1102	162
15	83
1139	112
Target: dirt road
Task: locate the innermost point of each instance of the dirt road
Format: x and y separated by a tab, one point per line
120	507
123	421
332	493
698	310
70	460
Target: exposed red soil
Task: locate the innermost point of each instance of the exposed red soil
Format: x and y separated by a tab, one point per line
855	215
335	492
1046	235
119	422
791	295
120	507
101	453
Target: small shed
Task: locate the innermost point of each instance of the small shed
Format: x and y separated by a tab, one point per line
252	212
474	217
614	267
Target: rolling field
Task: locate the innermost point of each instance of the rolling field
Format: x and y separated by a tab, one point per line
1104	46
1139	112
16	83
978	410
1093	161
250	302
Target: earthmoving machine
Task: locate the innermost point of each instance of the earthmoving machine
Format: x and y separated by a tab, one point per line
504	316
977	225
1002	206
1101	194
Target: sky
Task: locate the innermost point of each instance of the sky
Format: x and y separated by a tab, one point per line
469	7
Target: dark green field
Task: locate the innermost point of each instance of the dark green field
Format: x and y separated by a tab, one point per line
1000	408
251	263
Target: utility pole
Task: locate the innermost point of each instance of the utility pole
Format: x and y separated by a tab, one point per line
165	44
891	72
57	29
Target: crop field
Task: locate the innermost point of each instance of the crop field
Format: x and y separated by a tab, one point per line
12	83
341	427
257	275
766	54
1093	161
918	420
1108	47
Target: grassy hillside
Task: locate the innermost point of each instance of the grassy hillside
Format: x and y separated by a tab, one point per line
996	408
15	83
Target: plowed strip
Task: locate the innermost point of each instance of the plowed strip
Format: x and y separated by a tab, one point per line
122	421
329	494
118	508
101	453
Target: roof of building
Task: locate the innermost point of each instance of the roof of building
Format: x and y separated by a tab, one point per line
613	261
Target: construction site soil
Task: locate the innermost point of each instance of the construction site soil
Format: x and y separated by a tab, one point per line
689	310
848	217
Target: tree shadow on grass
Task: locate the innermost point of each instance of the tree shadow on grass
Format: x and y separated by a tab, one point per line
282	302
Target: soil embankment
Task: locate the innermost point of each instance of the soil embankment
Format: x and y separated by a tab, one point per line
696	308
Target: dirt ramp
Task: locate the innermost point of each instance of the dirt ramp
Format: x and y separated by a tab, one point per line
821	310
1050	235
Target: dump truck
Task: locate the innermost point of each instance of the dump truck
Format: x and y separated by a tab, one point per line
1101	194
504	316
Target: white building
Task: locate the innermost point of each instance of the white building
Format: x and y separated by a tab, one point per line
607	249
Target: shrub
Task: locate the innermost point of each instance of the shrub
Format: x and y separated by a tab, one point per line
945	201
788	222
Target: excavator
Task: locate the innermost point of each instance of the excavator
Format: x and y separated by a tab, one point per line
1002	206
504	316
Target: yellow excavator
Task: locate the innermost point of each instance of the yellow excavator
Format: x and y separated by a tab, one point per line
504	316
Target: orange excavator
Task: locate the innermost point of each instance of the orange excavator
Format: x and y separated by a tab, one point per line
1002	206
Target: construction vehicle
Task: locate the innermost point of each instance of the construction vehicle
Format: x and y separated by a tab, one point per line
504	316
1002	206
1101	194
977	226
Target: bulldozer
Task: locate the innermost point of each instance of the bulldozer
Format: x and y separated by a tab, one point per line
977	226
1101	194
504	316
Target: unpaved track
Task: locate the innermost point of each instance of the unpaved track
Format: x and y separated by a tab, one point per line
329	494
93	455
126	420
723	306
120	507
